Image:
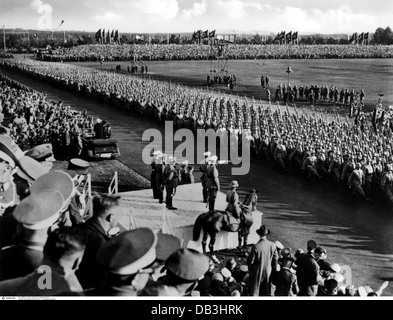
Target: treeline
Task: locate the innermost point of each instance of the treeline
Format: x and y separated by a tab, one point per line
21	40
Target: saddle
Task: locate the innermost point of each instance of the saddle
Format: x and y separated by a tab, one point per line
234	223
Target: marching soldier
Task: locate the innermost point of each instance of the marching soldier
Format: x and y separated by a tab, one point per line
213	183
171	182
203	169
233	200
356	180
387	183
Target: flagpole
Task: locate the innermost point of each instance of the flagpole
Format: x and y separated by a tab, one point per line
4	38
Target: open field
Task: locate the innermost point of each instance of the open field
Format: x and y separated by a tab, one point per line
372	75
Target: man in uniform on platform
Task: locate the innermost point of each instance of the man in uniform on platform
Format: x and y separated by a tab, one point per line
233	200
153	177
171	182
203	169
160	165
213	183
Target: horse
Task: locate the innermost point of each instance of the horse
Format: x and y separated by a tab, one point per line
213	222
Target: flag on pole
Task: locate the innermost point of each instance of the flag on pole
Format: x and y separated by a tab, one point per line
98	35
205	34
288	37
212	34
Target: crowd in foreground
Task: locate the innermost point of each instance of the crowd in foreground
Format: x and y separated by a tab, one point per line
346	152
126	52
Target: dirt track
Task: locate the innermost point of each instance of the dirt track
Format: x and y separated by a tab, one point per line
355	235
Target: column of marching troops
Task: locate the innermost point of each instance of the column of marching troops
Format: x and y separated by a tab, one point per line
359	156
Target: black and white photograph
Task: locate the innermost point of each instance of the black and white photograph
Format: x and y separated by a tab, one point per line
196	150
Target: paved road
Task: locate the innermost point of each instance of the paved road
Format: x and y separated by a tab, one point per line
356	235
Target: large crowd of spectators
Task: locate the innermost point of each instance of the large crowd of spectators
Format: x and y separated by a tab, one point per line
151	52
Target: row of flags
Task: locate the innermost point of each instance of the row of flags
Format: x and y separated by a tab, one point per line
287	38
358	39
107	37
198	35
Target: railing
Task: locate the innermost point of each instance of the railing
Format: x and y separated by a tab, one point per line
132	221
86	192
114	185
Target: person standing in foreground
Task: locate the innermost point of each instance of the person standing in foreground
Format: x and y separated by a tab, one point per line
307	271
261	261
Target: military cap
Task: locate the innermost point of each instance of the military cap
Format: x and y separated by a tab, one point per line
171	160
55	180
217	277
234	183
39	210
207	154
213	159
184	163
226	273
335	267
166	245
279	245
187	264
286	252
129	252
9	151
41	152
79	165
30	169
157	153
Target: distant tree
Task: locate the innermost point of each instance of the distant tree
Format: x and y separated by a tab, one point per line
383	36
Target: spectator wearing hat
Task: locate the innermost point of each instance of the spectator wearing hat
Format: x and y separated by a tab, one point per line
184	268
61	181
261	261
307	271
285	280
330	288
42	153
213	182
81	167
320	256
166	245
124	263
9	155
203	169
218	287
233	200
62	253
35	214
27	172
106	213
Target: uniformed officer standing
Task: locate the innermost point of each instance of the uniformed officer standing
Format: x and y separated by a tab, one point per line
233	200
356	180
387	182
203	169
171	182
213	183
153	180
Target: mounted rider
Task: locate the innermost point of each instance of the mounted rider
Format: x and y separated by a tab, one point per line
234	204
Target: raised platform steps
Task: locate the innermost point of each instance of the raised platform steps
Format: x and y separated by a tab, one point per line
140	209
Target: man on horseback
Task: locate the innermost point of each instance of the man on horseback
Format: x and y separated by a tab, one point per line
213	183
233	206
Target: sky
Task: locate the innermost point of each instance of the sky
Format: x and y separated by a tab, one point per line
176	16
